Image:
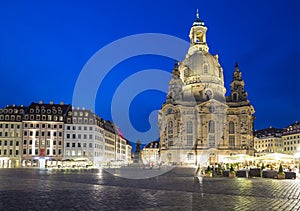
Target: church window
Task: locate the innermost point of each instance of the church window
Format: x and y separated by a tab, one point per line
211	126
211	141
189	127
208	95
189	141
235	97
231	127
205	68
186	72
232	140
170	133
211	109
170	127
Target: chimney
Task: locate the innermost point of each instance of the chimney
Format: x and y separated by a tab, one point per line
41	102
51	102
62	103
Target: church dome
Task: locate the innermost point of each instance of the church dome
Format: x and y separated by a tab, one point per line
202	65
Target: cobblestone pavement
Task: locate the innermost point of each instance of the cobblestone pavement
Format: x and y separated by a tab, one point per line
34	189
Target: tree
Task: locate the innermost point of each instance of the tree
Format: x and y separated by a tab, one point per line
231	168
280	169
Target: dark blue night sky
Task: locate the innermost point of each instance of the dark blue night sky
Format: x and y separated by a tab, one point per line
45	45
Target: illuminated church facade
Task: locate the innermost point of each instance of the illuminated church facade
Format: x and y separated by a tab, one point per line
198	124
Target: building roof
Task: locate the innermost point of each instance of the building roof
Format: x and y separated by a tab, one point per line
48	108
268	132
292	129
108	125
152	145
83	113
12	113
198	22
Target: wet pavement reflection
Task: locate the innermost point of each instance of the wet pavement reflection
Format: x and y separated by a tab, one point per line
94	189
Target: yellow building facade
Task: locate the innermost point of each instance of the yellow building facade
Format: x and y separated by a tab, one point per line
267	141
291	139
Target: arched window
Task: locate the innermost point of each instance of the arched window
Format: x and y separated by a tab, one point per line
211	141
170	128
231	127
232	140
208	94
211	126
170	133
189	127
211	109
205	68
235	97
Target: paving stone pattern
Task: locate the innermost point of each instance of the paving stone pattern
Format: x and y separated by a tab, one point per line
34	189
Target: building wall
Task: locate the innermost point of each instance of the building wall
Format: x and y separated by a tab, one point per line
267	145
291	143
47	134
43	134
11	136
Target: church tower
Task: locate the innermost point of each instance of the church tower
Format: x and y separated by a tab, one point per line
238	93
193	121
239	133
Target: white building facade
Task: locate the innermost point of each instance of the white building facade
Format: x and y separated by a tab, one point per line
84	138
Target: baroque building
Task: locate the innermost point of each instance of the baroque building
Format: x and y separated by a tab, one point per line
198	123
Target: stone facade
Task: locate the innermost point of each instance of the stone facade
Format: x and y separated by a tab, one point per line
198	123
